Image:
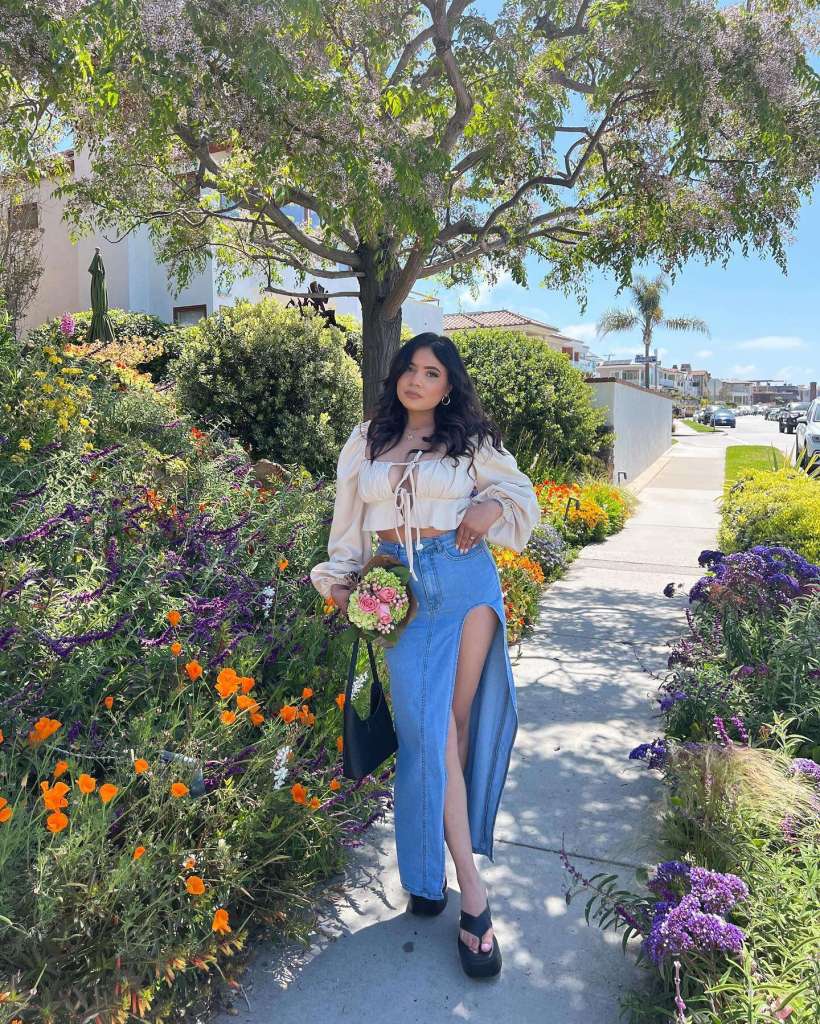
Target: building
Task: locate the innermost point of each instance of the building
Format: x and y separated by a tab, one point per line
579	354
679	381
137	281
753	392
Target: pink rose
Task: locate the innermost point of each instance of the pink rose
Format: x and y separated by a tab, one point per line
368	603
385	619
388	594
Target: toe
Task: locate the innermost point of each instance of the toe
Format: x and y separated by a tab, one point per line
487	941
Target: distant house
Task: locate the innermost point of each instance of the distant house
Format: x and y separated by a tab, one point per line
137	281
579	354
675	380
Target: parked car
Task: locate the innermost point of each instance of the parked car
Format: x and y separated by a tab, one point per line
808	436
705	414
723	418
791	416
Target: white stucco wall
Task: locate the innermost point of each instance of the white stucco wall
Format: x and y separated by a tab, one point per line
135	280
642	421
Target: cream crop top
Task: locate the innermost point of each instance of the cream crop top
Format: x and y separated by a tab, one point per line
437	496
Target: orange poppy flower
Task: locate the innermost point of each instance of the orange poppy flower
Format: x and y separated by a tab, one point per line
283	564
43	728
315	802
138	852
299	793
247	683
307	693
228	717
86	783
194	670
220	922
288	713
56	822
174	617
195	885
340	700
5	811
178	789
256	718
328	606
109	702
176	648
227	683
2	737
107	792
246	703
54	796
60	769
335	784
141	766
339	743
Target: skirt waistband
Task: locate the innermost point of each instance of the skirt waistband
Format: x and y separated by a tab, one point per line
436	543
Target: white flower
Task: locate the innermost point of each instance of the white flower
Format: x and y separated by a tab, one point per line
279	770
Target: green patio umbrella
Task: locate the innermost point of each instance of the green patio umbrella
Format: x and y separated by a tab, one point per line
101	328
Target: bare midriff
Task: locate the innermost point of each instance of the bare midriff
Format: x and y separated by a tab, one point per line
394	535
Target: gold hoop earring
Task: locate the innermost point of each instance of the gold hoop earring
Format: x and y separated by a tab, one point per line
448	400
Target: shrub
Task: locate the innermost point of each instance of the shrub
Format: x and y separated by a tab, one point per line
120	538
281	379
772	507
141	341
548	548
539	400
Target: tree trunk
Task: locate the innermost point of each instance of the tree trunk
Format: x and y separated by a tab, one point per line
647	341
381	337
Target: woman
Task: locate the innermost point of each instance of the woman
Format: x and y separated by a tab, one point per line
410	474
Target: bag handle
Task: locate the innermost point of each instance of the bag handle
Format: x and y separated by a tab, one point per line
376	691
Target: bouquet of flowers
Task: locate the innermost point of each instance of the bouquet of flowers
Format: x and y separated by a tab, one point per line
382	603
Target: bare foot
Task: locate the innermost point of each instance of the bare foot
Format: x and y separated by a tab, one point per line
473	901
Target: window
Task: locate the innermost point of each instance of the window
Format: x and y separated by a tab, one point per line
24	216
184	316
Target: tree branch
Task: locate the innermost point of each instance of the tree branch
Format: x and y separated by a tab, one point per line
546	26
442	39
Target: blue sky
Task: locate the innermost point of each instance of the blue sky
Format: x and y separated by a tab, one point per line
763	323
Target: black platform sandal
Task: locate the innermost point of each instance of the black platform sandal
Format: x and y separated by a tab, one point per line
479	965
428	908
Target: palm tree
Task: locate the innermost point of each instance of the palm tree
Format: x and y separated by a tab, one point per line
647	314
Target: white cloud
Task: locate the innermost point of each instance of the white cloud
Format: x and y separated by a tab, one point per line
704	353
588	333
485	291
742	370
796	374
773	342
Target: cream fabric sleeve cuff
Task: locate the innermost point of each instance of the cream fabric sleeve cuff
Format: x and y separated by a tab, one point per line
349	544
498	476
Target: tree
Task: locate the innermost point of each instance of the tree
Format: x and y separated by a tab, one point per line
21	265
425	139
647	314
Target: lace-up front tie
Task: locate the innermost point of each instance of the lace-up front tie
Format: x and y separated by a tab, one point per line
404	502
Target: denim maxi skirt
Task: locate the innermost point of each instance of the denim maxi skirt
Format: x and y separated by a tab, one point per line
422	671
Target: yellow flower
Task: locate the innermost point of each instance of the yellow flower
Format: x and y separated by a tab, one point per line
25	444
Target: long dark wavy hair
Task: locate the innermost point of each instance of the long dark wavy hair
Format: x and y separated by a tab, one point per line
461	426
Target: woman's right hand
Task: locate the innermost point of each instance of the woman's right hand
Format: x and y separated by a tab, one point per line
341	596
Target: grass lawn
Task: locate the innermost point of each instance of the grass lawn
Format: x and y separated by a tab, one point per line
740	457
698	426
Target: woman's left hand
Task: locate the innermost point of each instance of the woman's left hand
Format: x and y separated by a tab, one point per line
476	521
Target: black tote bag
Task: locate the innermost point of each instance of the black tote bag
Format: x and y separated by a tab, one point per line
367	742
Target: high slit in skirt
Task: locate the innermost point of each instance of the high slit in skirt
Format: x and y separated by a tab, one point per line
422	671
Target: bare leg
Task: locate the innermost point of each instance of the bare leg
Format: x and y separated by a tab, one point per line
476	638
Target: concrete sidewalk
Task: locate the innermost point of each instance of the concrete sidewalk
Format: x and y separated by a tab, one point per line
584	702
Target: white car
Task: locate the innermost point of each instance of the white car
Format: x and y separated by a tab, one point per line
808	435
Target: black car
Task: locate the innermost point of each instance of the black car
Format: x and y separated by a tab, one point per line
794	413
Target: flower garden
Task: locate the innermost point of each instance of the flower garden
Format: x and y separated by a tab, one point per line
170	714
729	924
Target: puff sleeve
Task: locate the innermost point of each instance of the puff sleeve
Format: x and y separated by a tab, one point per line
348	544
497	476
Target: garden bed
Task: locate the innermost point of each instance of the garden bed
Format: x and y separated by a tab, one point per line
170	775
